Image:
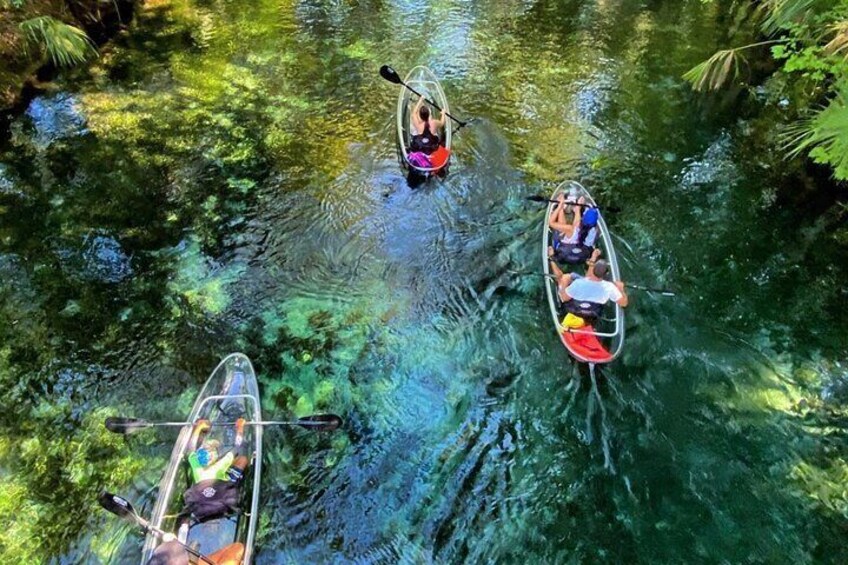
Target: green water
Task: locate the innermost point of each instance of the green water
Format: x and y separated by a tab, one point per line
224	178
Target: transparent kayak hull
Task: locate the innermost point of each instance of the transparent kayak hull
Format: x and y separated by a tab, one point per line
231	392
608	332
425	82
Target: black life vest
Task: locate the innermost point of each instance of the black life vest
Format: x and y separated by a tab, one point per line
211	498
426	141
572	253
584	309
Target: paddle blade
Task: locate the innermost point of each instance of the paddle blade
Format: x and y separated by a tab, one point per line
320	422
120	425
390	74
537	198
117	505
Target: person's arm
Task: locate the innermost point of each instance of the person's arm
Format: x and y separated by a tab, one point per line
622	301
442	120
416	121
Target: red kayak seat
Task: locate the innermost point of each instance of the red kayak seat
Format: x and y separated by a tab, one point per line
585	345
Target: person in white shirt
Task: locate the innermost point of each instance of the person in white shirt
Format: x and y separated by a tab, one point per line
586	296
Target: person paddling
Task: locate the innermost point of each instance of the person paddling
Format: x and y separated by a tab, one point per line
205	463
426	138
574	242
586	296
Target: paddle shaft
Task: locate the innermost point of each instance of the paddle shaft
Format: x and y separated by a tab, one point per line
253	423
436	106
567	203
662	291
161	534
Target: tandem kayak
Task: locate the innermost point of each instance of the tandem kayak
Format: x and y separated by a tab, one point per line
216	517
601	342
422	80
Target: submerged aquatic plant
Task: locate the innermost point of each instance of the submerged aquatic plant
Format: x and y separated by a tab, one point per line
66	45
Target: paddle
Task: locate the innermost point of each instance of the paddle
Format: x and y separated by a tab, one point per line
122	508
538	198
662	291
315	422
391	75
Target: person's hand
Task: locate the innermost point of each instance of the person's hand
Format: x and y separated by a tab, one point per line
620	285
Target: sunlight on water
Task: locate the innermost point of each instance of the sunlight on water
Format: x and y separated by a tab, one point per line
227	180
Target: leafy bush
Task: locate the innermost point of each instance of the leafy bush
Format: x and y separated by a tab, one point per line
809	50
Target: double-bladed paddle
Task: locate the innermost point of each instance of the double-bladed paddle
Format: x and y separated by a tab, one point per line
391	75
662	291
543	199
315	422
122	508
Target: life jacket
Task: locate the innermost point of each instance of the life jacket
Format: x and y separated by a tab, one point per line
211	498
426	141
583	308
572	253
577	252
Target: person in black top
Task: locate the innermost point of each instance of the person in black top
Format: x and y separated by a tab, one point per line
426	128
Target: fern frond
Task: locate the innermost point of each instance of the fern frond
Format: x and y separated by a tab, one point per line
65	44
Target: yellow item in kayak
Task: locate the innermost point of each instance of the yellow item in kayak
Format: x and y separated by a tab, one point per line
573	322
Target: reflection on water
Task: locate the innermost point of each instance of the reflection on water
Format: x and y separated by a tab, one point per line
226	180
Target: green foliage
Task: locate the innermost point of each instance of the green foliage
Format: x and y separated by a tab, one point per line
824	136
717	71
809	47
65	44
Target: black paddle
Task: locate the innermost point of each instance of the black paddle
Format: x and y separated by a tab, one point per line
662	291
315	422
539	198
391	75
122	508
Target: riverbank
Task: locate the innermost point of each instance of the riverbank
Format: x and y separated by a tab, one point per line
25	63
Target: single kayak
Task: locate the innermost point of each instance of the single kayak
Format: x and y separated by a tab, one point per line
215	515
417	152
599	341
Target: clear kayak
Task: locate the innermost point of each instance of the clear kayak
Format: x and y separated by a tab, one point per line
230	393
602	341
422	80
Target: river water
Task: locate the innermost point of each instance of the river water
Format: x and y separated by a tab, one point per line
223	178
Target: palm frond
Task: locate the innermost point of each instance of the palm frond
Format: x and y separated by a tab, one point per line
824	136
65	44
777	14
716	71
839	43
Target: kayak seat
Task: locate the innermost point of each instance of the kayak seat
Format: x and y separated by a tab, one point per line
439	157
586	345
229	555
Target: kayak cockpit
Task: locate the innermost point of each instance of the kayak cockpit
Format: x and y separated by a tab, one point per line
413	154
212	513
